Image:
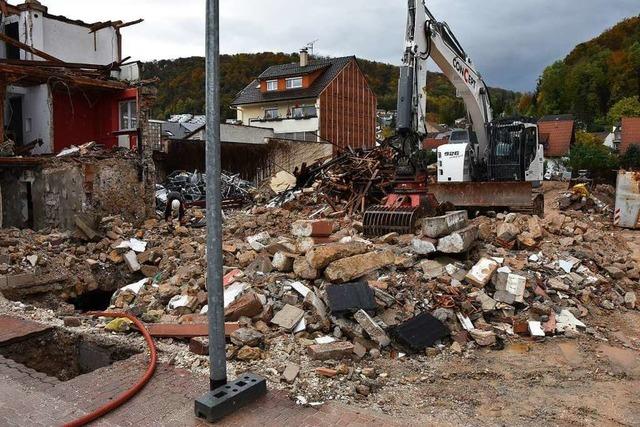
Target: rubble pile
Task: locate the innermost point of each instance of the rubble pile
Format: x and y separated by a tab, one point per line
582	198
317	298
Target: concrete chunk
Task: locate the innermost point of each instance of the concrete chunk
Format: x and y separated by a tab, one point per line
291	373
131	259
303	270
423	246
482	272
372	328
348	269
336	350
321	256
459	241
283	262
441	226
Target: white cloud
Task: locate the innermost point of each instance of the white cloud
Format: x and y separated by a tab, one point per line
510	41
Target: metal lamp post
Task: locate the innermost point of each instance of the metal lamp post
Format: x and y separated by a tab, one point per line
224	397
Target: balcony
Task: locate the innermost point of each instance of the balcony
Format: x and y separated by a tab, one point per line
288	125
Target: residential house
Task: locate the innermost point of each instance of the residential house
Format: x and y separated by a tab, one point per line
314	100
557	134
630	134
64	82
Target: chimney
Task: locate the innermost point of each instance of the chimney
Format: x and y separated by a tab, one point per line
304	57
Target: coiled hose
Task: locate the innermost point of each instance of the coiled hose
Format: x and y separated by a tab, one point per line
124	397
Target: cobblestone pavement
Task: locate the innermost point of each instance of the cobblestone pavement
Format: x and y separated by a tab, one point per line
31	398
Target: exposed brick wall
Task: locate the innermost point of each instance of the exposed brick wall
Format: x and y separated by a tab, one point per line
348	110
630	133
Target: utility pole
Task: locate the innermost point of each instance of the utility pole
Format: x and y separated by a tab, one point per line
223	397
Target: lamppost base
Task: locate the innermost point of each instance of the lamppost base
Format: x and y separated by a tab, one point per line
228	398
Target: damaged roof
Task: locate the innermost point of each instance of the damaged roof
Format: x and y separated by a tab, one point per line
252	94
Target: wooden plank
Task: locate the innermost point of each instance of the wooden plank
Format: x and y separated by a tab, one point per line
193	330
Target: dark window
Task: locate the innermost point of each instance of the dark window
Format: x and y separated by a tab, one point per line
12	31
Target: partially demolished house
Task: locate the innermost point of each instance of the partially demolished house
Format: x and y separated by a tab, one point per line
63	83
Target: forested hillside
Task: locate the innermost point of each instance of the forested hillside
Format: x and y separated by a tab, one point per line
593	78
181	88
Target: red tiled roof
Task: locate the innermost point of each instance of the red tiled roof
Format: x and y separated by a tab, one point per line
559	135
630	133
433	143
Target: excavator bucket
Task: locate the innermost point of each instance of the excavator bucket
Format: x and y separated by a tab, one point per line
381	220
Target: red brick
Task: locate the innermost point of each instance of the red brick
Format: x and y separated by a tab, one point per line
248	305
336	350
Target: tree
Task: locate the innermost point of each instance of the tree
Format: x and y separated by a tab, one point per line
627	107
590	154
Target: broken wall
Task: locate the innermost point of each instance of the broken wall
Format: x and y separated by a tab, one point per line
51	195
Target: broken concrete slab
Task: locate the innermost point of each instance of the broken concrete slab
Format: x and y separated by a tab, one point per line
375	332
420	332
333	351
351	297
432	269
321	256
459	241
480	275
288	318
513	289
348	269
441	226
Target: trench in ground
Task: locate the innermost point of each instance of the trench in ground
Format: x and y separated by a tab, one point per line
65	355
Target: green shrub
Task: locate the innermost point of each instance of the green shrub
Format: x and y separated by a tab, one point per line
590	154
631	158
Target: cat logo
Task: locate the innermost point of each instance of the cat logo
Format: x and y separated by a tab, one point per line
452	153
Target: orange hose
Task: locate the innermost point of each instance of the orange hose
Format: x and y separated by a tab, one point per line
124	397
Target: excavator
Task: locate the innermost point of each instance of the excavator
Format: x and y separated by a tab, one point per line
489	164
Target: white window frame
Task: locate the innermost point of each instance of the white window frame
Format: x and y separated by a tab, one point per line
296	80
132	107
271	109
270	87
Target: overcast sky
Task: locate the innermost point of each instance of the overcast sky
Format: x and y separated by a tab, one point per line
510	41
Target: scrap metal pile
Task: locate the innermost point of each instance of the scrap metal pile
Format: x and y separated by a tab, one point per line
236	192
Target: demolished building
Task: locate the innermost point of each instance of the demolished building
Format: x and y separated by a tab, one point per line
54	98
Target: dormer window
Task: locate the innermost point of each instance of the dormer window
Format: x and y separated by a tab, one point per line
272	85
294	83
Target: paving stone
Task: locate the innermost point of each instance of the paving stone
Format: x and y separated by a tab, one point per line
288	318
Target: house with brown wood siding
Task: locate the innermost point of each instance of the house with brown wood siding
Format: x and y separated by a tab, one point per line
630	133
324	100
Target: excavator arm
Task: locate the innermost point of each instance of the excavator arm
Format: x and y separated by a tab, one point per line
428	38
